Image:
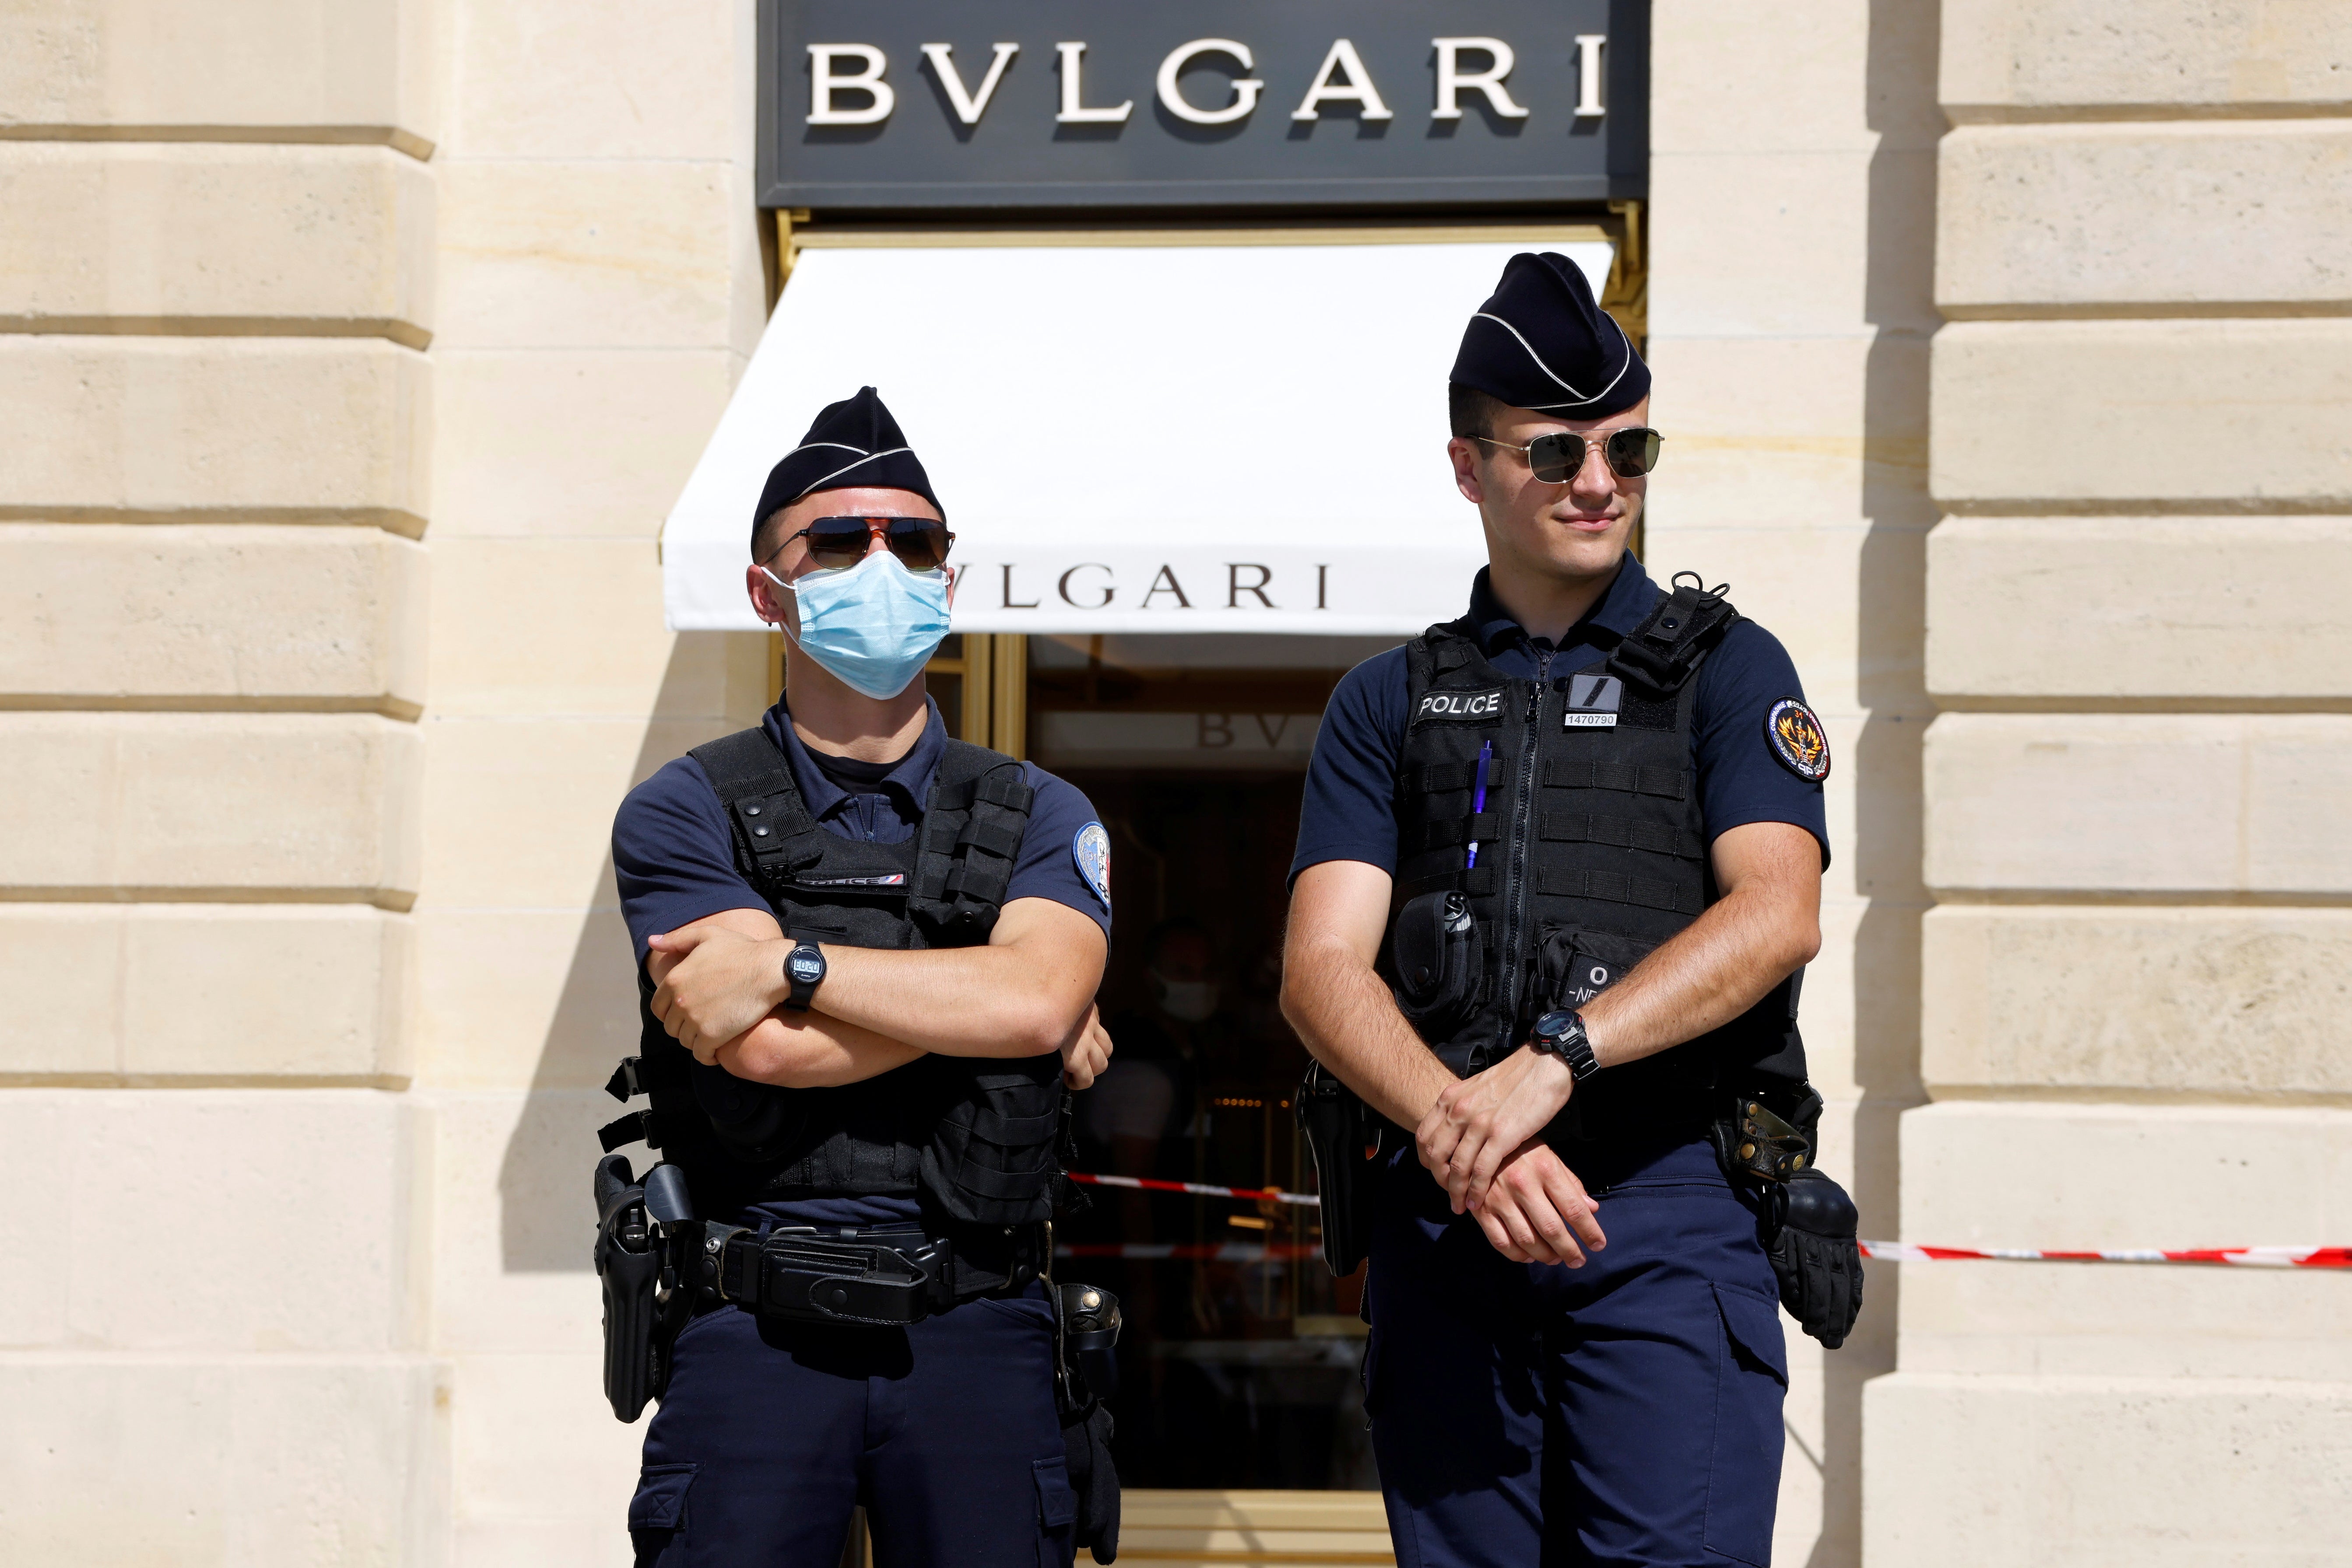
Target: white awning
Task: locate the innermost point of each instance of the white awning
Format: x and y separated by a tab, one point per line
1138	437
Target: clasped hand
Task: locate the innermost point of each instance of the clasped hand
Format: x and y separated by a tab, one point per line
711	985
1481	1140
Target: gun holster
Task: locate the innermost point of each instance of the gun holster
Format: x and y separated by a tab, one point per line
1344	1134
1085	1377
637	1237
1767	1139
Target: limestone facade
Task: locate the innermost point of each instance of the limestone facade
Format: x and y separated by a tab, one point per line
353	350
2132	1008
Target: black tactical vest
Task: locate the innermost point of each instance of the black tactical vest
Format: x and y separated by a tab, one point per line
975	1137
1592	852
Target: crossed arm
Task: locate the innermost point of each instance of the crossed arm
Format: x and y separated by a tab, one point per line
1482	1136
719	990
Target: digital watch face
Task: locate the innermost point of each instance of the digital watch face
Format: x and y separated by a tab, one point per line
807	966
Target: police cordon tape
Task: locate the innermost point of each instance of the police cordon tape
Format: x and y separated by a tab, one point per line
1884	1251
1198	1189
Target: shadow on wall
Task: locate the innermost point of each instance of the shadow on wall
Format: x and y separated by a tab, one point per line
1899	302
546	1216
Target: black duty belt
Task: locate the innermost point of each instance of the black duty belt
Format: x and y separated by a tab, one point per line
875	1277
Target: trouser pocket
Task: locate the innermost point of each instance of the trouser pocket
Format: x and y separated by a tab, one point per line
1751	1383
658	1515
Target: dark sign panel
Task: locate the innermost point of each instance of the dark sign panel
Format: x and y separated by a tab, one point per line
915	105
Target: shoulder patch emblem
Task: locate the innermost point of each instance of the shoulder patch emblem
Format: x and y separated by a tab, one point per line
1797	739
1091	849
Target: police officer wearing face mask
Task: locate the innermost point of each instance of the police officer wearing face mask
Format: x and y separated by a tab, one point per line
868	955
1559	870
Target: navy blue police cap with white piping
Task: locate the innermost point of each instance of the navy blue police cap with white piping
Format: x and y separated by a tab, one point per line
853	444
1543	344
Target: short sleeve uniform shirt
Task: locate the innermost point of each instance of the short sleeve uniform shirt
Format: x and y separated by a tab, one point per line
1350	813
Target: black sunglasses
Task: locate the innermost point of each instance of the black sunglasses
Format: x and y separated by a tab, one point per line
920	543
1556	458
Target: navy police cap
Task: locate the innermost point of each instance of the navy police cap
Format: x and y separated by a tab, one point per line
854	443
1542	342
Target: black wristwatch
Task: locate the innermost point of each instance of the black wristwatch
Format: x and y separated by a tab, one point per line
803	971
1561	1035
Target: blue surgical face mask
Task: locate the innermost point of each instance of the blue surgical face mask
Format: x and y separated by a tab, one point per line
873	625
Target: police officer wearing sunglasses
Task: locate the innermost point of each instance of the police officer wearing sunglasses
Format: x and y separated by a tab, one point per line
868	955
1559	869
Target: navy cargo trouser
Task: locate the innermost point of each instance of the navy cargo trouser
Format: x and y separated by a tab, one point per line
1626	1412
944	1430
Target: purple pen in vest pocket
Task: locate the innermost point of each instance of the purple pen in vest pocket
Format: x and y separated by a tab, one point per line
1478	802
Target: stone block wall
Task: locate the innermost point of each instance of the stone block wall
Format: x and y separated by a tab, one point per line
216	295
1792	232
2134	979
601	289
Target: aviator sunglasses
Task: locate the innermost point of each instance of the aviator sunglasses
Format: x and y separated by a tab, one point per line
1557	458
920	543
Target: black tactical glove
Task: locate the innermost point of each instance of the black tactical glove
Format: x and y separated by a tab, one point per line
1816	1258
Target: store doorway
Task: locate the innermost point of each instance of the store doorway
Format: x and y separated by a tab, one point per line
1239	1364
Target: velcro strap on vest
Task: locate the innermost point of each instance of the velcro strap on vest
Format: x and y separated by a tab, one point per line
1672	783
636	1127
1478	882
973	829
995	834
1615	888
754	782
1674	637
1486	827
1004	787
1439	778
1591	827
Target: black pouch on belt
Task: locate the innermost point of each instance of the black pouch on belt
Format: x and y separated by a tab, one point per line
1085	1377
1768	1138
1343	1133
636	1228
797	1274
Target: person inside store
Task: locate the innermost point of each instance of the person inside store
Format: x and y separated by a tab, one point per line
1559	869
868	956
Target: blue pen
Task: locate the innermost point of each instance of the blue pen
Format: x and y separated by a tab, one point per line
1478	800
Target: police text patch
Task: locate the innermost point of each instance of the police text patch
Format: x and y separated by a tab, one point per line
1797	739
1482	707
1592	701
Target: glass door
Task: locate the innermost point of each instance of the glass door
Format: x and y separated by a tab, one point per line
1239	1362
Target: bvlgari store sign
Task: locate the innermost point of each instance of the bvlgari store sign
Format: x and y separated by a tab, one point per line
937	105
1227	412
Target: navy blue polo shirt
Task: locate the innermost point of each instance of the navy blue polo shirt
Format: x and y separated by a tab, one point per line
1349	812
673	855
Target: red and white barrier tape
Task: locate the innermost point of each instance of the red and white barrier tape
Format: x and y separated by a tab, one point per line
1196	1189
1884	1251
2250	1256
1189	1252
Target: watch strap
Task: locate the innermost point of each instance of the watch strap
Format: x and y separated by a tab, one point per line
1564	1038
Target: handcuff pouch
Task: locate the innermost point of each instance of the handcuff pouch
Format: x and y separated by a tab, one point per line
1439	962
